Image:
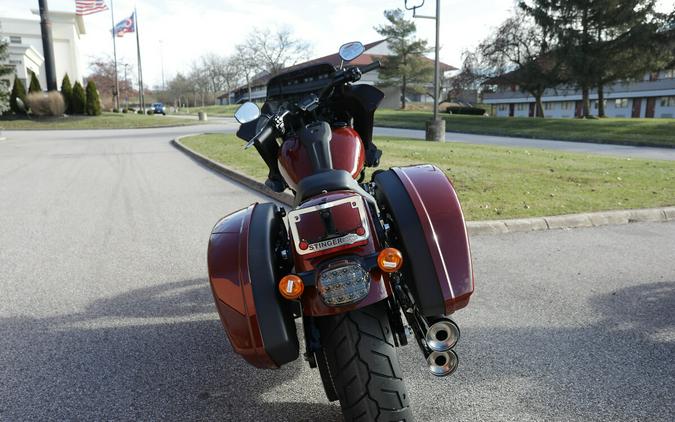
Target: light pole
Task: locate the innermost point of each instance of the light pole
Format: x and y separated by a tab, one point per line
161	60
47	45
435	129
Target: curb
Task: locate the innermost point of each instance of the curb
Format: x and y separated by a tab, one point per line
284	198
516	225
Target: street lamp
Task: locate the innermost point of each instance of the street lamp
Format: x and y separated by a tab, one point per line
436	127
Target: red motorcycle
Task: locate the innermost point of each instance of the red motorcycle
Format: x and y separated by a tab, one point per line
352	259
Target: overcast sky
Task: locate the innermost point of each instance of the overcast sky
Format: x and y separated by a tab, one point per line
188	29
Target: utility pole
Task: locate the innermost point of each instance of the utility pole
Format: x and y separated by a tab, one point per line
161	60
435	129
47	45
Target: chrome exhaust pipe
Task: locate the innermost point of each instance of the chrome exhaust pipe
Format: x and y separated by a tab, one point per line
442	364
442	335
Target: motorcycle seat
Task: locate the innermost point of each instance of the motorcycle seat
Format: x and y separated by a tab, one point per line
329	181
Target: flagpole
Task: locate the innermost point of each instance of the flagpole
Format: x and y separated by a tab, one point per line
141	96
116	88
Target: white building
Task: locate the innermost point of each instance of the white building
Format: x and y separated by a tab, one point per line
651	97
25	46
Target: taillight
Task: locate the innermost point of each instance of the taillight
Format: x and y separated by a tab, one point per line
343	283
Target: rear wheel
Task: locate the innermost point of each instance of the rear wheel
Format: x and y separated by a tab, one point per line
363	365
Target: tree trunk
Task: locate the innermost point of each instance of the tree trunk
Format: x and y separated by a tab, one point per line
403	89
538	108
601	100
584	102
248	84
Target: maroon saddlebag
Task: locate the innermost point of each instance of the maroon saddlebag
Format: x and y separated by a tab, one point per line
430	228
243	275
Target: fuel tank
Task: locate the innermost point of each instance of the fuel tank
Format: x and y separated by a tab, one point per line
347	153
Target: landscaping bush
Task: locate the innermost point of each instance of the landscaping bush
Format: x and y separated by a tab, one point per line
474	111
18	92
139	112
78	99
125	110
67	92
150	112
34	84
131	110
115	110
46	104
93	104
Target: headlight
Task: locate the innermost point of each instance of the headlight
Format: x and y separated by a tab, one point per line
343	283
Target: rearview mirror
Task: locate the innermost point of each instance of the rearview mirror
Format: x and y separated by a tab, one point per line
247	112
351	50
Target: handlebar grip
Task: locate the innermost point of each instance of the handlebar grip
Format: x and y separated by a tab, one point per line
367	68
265	134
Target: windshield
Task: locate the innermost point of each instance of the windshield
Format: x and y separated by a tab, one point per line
312	78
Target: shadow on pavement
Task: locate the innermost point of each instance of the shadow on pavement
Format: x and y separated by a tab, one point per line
148	354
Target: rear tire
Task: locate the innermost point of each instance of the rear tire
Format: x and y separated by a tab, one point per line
364	367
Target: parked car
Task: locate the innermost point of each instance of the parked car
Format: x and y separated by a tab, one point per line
159	108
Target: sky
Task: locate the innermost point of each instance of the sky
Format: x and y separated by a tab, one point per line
175	33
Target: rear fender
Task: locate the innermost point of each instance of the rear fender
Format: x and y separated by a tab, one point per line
243	275
430	228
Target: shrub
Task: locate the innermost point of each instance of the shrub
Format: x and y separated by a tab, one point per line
125	110
115	110
93	104
78	99
139	111
475	111
67	92
150	112
34	84
46	104
18	92
132	110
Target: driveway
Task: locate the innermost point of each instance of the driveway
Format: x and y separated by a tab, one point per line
106	312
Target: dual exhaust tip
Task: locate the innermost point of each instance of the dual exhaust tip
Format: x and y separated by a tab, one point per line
441	337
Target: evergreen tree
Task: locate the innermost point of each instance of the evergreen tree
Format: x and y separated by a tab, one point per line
4	70
67	93
406	68
34	84
600	41
93	107
18	92
78	99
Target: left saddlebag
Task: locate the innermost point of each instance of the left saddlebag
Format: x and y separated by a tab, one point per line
243	272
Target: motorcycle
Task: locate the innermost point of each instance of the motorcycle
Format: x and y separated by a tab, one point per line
364	265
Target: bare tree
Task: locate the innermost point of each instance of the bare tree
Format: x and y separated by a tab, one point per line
244	64
517	53
274	51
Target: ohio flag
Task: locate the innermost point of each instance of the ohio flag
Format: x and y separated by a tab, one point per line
125	26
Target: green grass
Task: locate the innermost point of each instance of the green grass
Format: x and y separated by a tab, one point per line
500	182
214	110
653	132
104	121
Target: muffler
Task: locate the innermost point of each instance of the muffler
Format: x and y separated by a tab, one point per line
442	335
442	364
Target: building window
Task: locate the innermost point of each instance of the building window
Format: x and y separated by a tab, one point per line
14	39
668	74
595	104
621	103
501	107
566	105
521	107
667	101
549	106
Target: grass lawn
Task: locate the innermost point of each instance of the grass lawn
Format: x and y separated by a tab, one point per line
104	121
654	132
214	110
500	182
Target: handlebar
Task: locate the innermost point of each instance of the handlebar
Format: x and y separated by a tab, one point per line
367	68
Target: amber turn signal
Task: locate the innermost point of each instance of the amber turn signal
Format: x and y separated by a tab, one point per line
291	287
389	260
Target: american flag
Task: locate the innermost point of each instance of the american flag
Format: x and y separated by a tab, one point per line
88	7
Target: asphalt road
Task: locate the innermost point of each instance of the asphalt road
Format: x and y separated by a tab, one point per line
106	312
